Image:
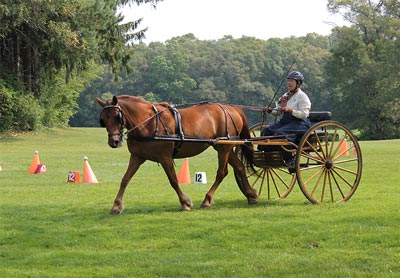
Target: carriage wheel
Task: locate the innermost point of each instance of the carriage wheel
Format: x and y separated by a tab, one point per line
328	163
275	182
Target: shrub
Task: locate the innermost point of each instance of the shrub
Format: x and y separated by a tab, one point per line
18	111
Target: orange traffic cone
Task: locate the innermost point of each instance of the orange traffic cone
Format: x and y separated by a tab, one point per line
88	175
354	149
184	174
344	150
35	163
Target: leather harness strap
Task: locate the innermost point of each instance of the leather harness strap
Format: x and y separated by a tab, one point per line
226	112
178	130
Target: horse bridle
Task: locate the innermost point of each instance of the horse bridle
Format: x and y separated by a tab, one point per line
121	133
121	120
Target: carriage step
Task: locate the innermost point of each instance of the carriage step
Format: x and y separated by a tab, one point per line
269	159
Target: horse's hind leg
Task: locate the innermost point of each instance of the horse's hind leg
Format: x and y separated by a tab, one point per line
240	171
184	199
134	164
222	171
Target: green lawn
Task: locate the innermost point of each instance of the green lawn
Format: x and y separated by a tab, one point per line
51	228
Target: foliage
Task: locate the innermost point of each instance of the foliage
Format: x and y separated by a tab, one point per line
245	71
362	69
51	228
350	73
53	50
169	78
61	106
18	111
47	45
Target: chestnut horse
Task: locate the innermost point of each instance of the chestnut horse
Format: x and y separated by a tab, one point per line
160	133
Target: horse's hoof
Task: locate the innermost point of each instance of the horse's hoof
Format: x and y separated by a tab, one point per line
116	211
204	206
207	202
252	202
187	201
187	206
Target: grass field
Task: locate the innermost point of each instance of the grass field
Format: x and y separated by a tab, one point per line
51	228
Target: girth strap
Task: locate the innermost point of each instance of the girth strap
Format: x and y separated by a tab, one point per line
226	112
178	130
178	121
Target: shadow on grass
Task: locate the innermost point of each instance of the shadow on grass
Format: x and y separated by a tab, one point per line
218	205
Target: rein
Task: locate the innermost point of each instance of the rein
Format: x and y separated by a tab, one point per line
248	107
157	114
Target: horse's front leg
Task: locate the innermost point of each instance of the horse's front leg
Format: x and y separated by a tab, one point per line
184	199
134	164
223	154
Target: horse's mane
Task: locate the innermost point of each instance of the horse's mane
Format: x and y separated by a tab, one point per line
139	99
164	104
142	100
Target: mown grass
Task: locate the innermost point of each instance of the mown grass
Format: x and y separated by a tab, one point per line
51	228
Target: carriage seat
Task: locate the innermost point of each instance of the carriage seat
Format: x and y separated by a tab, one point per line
315	117
319	116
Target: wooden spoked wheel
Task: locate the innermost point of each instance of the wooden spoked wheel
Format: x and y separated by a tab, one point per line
275	182
328	163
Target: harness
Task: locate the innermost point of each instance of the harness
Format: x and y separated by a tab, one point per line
178	127
178	121
178	137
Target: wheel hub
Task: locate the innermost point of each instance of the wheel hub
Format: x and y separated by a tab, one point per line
328	164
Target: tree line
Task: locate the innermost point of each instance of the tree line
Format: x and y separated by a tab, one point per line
353	72
185	70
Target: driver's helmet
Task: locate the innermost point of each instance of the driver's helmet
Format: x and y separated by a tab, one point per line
296	75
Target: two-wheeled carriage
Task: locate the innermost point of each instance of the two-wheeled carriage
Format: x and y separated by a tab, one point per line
328	162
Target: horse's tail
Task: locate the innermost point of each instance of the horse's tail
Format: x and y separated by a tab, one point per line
247	148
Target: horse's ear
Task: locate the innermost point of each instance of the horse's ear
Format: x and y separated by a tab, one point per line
114	100
100	102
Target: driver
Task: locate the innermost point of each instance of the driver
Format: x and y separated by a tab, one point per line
293	108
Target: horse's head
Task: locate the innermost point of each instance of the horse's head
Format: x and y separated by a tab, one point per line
112	118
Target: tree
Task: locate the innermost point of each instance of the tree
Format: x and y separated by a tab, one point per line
361	66
169	79
47	44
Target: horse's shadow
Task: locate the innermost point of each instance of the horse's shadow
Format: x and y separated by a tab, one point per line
218	205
